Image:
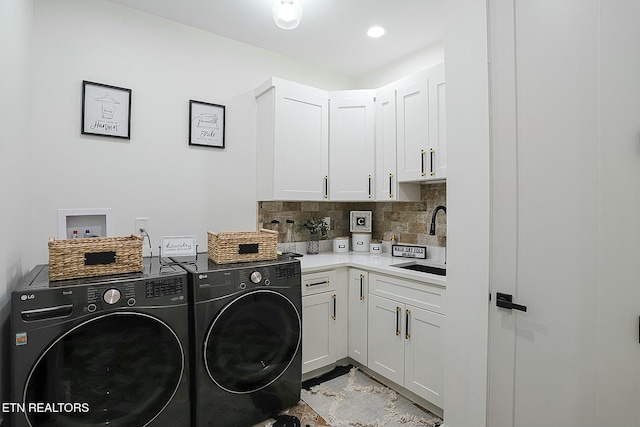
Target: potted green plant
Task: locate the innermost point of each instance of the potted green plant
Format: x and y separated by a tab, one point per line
317	229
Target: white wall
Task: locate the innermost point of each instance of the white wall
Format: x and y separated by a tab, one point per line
468	229
15	249
421	60
182	189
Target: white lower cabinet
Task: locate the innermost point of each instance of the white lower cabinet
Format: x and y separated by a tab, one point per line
324	319
393	326
406	340
424	354
358	302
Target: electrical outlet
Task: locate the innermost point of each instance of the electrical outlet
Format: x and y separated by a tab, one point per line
327	220
141	224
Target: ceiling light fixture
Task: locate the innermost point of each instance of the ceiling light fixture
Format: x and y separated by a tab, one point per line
287	13
375	32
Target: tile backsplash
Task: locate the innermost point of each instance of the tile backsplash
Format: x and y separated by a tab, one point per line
409	221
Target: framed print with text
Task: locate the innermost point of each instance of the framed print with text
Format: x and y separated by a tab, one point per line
106	110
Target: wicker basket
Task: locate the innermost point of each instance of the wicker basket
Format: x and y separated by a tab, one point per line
229	247
74	258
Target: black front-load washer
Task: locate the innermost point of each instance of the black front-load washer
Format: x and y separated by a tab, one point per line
246	354
103	351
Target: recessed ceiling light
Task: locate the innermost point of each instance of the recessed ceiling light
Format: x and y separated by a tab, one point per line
375	32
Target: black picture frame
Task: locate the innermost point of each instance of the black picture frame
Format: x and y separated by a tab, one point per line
106	110
206	124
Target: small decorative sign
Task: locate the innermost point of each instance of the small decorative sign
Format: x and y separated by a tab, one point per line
360	221
178	246
409	251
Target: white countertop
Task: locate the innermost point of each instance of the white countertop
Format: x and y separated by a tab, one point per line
379	263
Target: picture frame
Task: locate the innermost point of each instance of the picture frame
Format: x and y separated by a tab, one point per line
206	124
360	221
106	110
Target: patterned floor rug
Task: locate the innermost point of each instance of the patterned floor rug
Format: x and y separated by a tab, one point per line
355	399
305	414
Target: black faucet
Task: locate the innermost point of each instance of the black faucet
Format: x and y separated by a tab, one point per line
432	228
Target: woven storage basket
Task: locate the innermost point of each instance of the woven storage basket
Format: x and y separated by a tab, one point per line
229	247
74	258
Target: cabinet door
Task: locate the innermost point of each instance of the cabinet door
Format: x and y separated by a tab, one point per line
424	354
386	179
412	129
358	302
301	145
437	126
318	331
385	341
351	145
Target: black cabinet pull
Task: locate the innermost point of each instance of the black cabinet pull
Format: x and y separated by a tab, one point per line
431	151
506	301
361	287
369	186
398	310
422	153
390	186
406	326
326	187
325	282
334	307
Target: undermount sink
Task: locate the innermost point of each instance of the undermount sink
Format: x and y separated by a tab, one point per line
424	268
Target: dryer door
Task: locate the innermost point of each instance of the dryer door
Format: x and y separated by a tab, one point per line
252	341
120	369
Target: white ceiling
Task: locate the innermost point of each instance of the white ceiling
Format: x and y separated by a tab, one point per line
332	33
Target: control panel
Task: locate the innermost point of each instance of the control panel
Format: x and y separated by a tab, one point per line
287	271
110	295
164	287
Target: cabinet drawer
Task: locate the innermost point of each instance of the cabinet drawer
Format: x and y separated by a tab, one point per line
315	283
418	294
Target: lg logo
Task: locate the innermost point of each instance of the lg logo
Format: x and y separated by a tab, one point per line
26	297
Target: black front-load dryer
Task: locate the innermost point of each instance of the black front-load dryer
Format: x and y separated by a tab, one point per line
102	351
246	325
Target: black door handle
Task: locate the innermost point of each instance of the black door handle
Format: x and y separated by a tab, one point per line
505	301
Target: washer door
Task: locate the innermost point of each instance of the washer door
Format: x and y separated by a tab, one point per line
123	367
252	341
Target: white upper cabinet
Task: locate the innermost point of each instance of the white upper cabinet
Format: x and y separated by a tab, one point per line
420	149
387	187
292	141
437	124
351	145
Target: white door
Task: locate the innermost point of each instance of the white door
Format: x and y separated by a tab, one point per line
351	145
301	150
424	354
386	338
412	107
437	126
358	301
318	324
565	213
386	179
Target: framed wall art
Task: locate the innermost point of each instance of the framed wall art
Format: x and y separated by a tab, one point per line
106	110
206	124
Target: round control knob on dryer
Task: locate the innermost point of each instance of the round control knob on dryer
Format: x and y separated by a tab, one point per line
256	277
111	296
